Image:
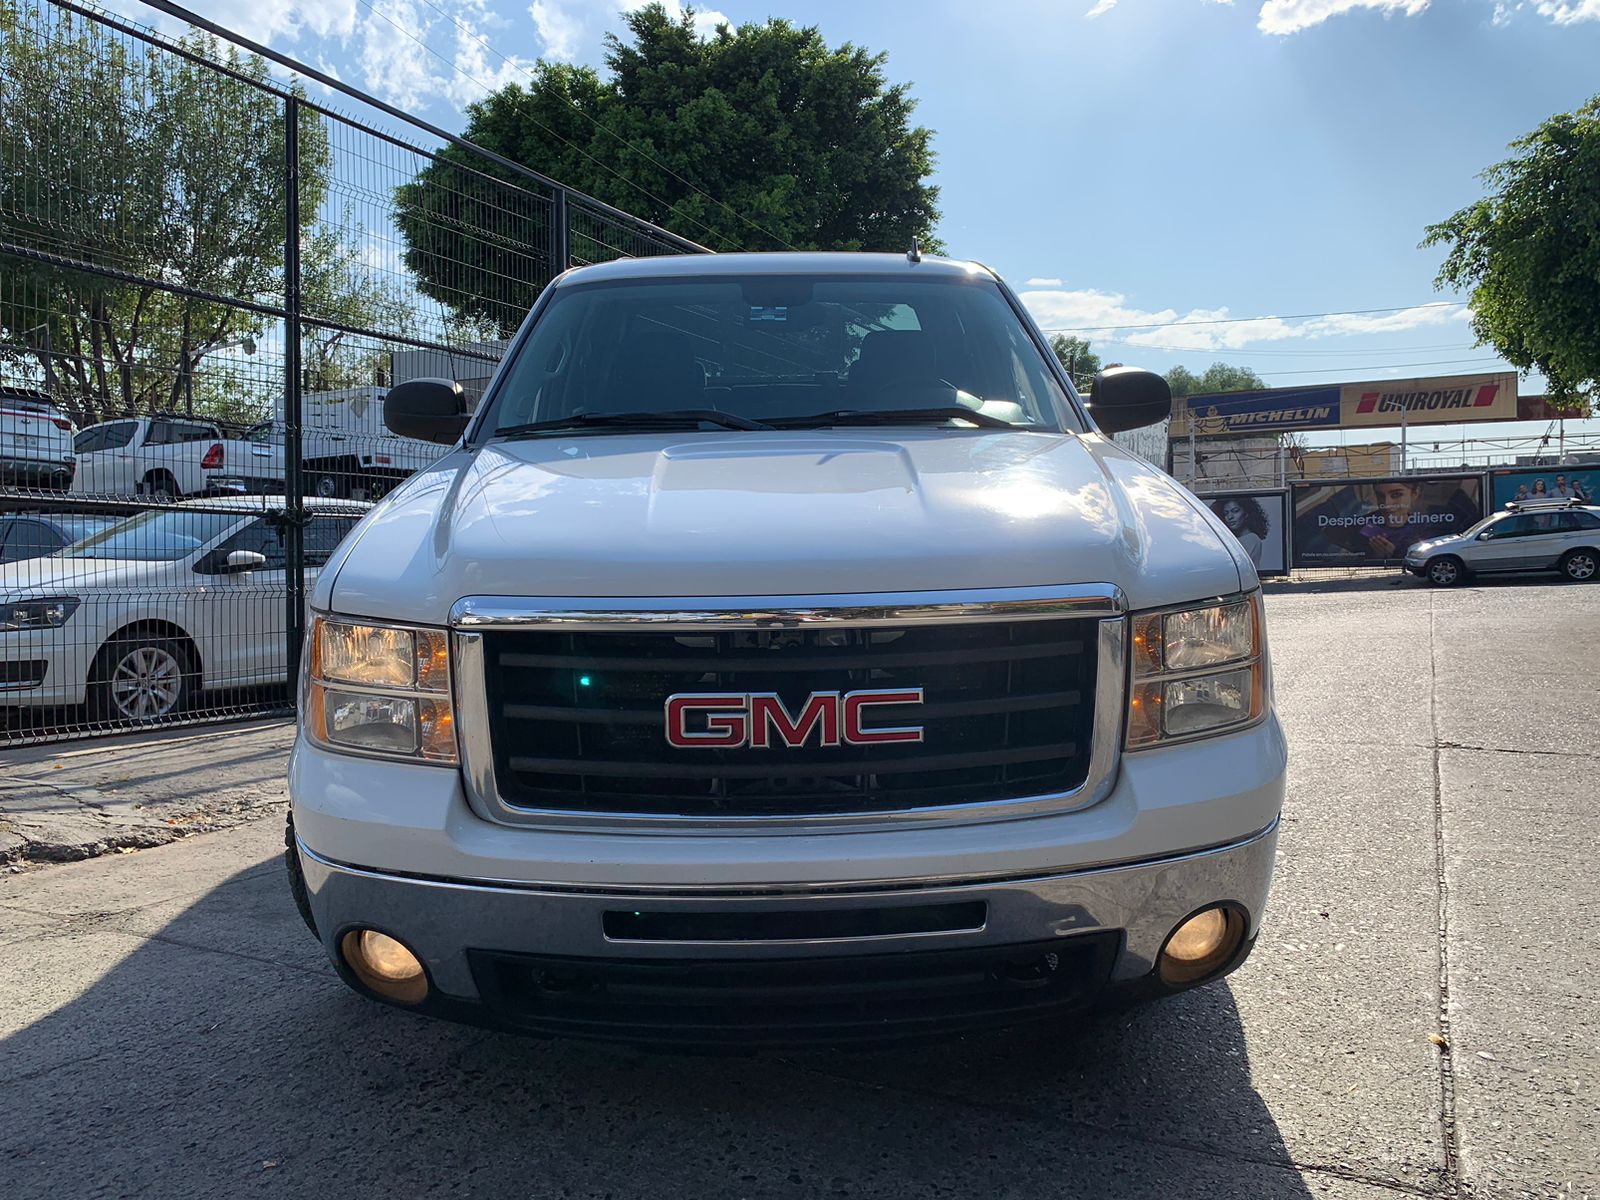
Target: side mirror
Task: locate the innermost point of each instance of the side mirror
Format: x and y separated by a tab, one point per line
431	410
1129	398
237	562
240	561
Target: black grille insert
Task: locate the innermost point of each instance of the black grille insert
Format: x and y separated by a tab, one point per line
577	721
777	925
791	1001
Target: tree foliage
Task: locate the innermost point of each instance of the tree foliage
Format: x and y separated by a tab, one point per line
1528	253
1081	362
160	169
1218	377
758	138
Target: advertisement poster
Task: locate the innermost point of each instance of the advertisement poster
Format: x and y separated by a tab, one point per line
1373	522
1260	520
1547	483
1432	400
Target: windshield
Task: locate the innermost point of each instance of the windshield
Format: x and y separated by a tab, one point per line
75	529
780	348
156	536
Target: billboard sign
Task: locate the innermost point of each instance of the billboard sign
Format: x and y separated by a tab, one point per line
1439	400
1230	414
1447	400
1546	483
1260	520
1373	522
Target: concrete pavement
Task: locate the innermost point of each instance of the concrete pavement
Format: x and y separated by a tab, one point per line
169	1028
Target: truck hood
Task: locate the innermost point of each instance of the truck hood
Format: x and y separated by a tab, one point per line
777	515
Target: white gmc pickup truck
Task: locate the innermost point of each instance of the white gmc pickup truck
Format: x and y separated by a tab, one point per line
783	653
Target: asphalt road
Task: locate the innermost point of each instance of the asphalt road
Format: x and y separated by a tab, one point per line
168	1029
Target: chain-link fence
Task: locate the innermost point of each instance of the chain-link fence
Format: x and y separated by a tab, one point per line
208	281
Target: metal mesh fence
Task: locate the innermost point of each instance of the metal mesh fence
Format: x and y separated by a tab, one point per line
208	282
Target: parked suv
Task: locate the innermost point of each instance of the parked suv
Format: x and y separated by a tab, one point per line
1531	535
35	442
783	654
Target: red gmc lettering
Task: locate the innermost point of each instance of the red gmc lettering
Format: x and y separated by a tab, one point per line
856	701
762	721
726	721
767	713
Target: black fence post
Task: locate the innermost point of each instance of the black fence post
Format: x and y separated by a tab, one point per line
560	234
293	484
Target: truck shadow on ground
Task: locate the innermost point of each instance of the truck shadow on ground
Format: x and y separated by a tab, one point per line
218	1055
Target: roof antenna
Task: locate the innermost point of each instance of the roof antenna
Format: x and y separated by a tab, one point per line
914	255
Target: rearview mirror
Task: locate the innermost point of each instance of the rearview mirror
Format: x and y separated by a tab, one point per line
1129	398
431	410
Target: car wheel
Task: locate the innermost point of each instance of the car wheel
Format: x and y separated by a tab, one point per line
329	486
1580	565
1445	572
160	486
138	679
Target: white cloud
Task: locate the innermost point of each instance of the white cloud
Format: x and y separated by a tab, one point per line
1044	283
1100	9
394	63
705	20
558	28
480	69
1569	12
1284	17
1092	313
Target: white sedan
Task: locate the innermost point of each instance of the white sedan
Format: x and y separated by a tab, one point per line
140	619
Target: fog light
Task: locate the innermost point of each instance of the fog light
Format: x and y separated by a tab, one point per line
1201	945
385	965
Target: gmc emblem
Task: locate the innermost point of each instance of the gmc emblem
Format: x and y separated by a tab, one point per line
761	720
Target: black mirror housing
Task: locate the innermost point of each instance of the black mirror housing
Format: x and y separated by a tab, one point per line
1129	398
430	410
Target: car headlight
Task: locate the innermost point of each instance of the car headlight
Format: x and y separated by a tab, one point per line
41	612
1196	671
380	689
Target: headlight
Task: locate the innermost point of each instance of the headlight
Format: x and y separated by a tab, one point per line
44	612
1196	671
380	689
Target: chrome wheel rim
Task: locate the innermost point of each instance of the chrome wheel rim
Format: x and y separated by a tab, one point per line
1443	572
146	684
326	487
1580	566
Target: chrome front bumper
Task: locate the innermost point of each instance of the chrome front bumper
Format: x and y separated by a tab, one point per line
449	924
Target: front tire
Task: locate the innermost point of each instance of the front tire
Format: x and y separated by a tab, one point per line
1580	566
297	877
1446	571
138	679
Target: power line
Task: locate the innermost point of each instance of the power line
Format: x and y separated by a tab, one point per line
1437	362
1306	353
1347	312
606	129
406	33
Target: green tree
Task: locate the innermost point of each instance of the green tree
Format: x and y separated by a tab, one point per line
1080	361
1529	255
758	138
163	170
1218	377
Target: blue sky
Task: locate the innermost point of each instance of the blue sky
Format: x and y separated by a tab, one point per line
1142	161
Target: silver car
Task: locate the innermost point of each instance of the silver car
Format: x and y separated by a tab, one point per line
1561	535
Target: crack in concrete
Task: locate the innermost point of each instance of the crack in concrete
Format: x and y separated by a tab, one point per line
1514	750
1447	1079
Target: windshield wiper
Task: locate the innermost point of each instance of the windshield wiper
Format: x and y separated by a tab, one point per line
672	418
894	416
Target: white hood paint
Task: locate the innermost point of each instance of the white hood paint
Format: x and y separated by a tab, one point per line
55	575
780	514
